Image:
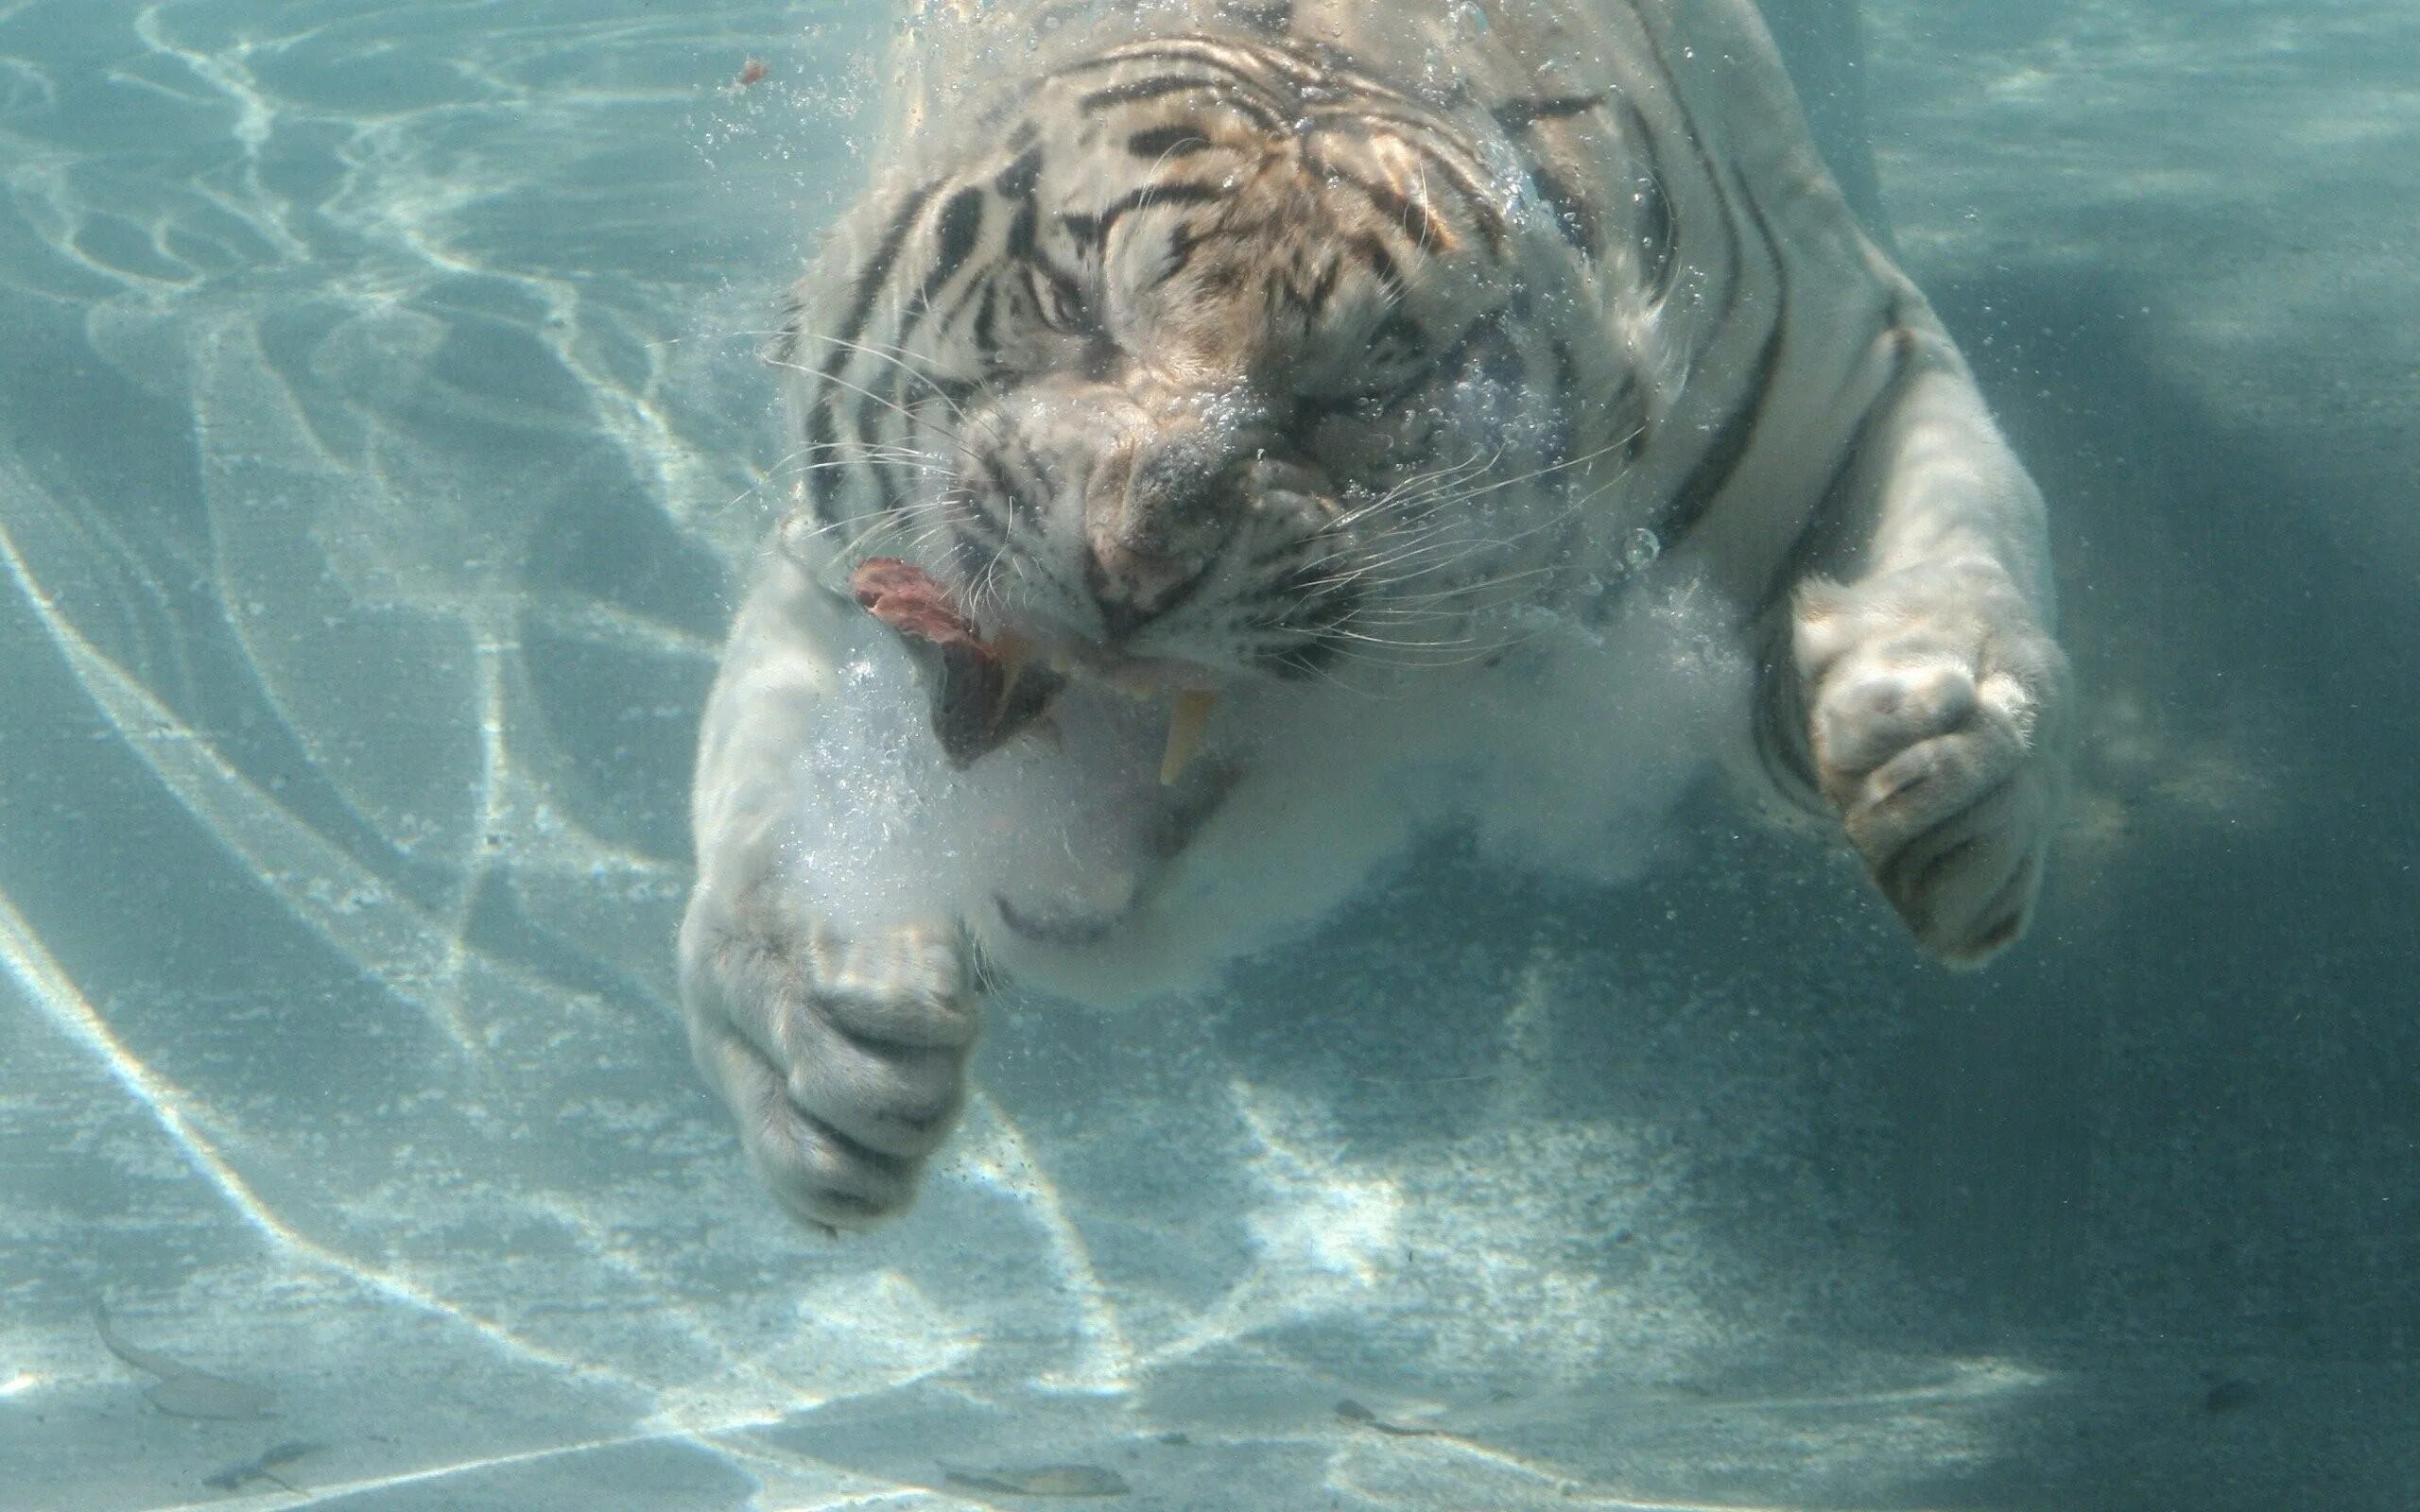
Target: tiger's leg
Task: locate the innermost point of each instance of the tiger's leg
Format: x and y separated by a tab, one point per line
1929	695
841	1058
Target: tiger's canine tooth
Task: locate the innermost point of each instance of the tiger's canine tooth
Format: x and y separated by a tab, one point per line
1015	653
1191	718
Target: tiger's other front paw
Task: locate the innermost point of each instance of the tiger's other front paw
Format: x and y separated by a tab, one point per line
843	1061
1936	717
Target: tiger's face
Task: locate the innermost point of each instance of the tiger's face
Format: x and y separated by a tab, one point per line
1221	364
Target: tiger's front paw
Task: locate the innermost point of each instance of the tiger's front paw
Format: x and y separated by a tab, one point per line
1936	709
843	1061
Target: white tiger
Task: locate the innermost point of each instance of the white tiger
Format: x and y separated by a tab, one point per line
1229	435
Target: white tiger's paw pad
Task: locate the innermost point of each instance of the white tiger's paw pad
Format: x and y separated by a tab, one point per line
845	1062
1935	706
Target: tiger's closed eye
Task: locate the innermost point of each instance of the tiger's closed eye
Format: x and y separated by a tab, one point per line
1392	359
1066	306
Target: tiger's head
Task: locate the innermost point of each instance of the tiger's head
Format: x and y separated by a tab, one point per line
1217	360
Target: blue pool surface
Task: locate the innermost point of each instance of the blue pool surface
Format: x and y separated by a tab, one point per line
381	435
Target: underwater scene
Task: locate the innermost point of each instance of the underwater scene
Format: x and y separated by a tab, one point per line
391	421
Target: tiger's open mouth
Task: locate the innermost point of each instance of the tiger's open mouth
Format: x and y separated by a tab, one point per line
987	691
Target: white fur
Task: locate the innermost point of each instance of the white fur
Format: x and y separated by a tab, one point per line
850	883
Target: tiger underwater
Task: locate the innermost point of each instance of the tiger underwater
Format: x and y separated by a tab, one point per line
1233	438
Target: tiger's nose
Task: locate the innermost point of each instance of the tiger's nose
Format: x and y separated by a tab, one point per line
1133	585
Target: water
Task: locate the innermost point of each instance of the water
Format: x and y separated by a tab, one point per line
378	430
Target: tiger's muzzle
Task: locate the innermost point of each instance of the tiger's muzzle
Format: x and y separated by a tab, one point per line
1121	532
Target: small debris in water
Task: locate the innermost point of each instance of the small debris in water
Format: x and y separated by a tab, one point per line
262	1467
1360	1417
1044	1480
752	72
2230	1395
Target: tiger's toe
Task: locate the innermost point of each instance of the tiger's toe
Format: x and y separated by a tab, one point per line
1932	729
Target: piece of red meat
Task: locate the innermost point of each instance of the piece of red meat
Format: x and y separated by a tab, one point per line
905	598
